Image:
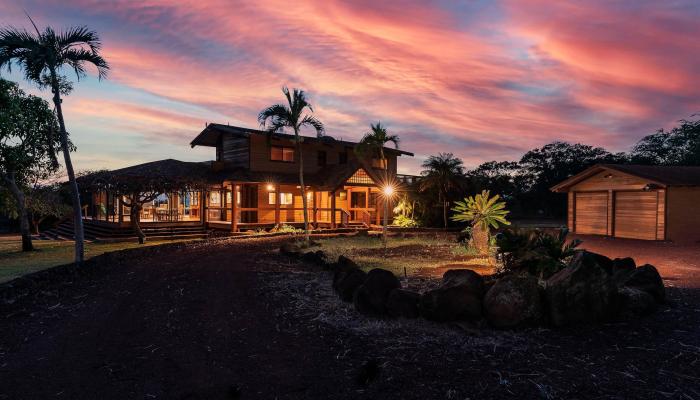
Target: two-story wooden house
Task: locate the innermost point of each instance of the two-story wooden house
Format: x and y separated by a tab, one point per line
254	183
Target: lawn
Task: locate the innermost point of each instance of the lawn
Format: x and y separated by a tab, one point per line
413	255
15	263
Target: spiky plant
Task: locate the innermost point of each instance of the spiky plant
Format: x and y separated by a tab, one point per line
483	212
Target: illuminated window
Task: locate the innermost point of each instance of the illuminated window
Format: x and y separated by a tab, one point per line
280	153
271	197
286	198
379	163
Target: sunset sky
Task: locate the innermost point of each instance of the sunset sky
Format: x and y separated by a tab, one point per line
486	80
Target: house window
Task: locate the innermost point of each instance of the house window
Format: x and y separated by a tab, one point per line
271	197
343	157
321	158
286	199
280	153
379	163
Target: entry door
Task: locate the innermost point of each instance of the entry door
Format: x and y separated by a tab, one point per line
358	199
591	213
635	215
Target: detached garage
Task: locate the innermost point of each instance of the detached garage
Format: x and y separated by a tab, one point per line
635	202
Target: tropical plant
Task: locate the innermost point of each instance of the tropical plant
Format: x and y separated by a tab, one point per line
293	115
535	251
43	56
27	154
372	145
404	212
442	173
483	212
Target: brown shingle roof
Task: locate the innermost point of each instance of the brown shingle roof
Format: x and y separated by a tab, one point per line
663	175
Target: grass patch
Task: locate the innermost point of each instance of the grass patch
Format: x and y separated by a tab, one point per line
417	255
15	263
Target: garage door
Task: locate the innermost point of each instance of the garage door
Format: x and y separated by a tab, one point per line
635	215
592	213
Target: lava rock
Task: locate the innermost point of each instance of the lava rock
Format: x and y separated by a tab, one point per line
453	303
370	298
347	281
403	304
513	301
582	292
634	302
462	277
345	262
315	257
290	249
647	279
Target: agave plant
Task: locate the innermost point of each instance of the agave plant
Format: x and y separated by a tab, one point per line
483	212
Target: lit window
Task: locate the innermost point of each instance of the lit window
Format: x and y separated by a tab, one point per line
279	153
286	199
271	197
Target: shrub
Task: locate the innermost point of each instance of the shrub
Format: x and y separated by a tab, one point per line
483	212
284	228
405	221
537	252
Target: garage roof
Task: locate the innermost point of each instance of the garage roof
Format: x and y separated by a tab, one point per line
659	174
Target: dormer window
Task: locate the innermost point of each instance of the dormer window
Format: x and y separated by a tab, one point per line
281	153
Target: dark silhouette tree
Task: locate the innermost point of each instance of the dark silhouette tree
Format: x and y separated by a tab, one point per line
293	115
43	56
442	173
678	146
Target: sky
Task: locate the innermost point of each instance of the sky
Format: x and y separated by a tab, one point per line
485	80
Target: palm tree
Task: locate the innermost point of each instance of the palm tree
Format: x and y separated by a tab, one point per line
292	115
373	143
442	173
43	57
483	212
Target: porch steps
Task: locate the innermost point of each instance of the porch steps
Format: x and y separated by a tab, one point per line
96	232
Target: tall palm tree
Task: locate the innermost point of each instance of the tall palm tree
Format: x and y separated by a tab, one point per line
373	143
442	173
292	115
43	57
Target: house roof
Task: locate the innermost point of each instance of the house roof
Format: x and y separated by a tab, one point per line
210	136
658	174
330	178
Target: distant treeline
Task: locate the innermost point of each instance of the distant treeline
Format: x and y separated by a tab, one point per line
525	184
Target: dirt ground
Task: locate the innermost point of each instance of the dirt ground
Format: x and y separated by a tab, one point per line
234	319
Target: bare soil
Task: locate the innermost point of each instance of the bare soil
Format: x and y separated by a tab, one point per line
234	319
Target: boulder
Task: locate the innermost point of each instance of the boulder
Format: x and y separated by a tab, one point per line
461	277
645	278
453	303
290	249
403	303
347	281
604	261
623	264
513	301
582	292
370	298
345	262
315	257
634	302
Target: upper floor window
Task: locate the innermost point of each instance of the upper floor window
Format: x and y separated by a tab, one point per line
343	157
322	159
379	163
280	153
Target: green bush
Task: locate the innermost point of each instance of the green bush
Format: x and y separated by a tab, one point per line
405	222
540	253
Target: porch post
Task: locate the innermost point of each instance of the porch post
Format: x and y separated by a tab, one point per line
332	209
119	210
376	209
315	219
203	206
234	208
278	194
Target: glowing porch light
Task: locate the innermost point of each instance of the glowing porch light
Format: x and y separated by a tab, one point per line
388	190
270	187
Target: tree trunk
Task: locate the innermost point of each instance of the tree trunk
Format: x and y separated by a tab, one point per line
135	217
303	188
385	164
72	183
23	215
444	213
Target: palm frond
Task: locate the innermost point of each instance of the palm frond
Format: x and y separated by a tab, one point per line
76	59
310	120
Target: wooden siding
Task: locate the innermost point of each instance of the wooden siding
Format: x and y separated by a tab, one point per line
683	217
591	213
571	199
614	181
636	214
235	151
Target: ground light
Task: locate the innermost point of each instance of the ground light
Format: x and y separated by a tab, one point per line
388	192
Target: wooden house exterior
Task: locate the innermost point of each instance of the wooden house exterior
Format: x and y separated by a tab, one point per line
254	183
635	202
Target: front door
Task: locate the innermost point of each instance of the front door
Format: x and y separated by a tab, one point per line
358	202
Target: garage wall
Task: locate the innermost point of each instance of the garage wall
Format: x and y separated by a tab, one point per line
683	218
637	215
616	181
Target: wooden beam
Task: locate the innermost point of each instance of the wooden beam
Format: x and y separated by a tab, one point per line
313	208
278	193
120	209
378	220
203	206
332	194
234	208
